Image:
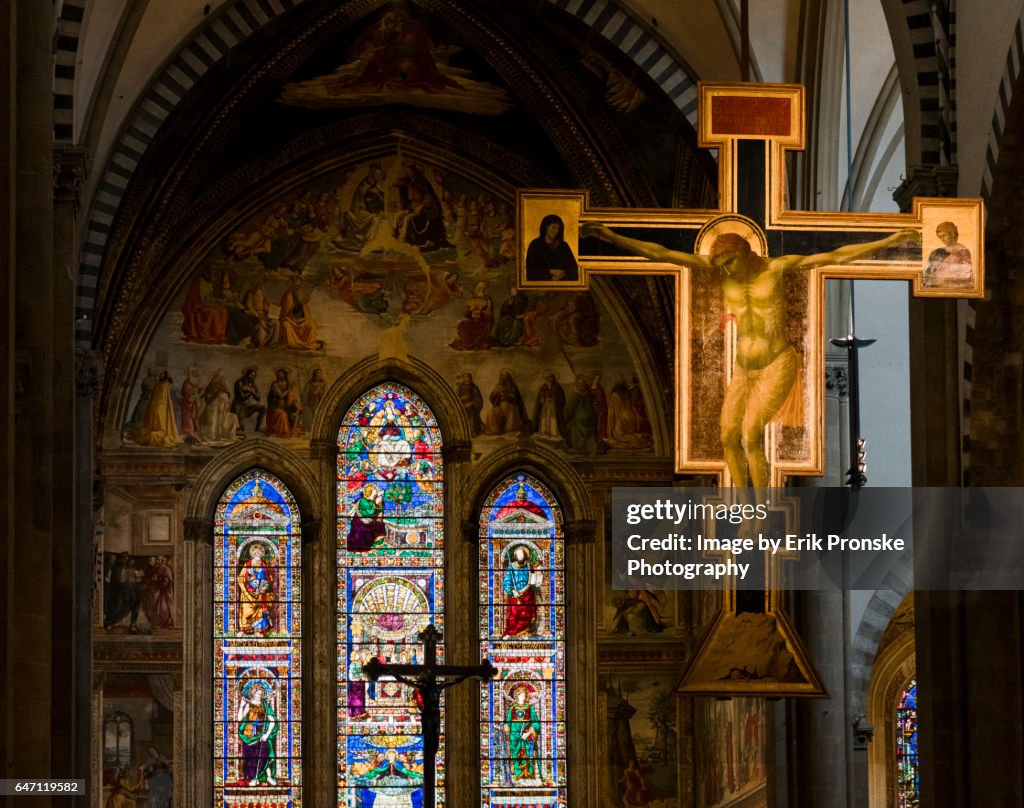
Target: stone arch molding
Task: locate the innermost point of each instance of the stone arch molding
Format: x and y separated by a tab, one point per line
224	34
415	374
869	632
547	466
235	460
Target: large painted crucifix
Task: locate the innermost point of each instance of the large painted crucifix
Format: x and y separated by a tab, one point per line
750	287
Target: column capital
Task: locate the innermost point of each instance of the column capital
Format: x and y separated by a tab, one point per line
88	372
322	449
863	732
199	530
580	531
69	168
926	181
457	451
837	380
310	531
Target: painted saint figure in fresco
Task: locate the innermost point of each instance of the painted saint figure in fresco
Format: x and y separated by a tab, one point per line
508	328
397	53
217	423
159	785
520	584
949	266
472	399
581	417
578	322
265	330
123	794
256	594
257	732
635	790
191	402
473	333
149	381
246	402
367	523
365	211
159	426
628	425
523	727
549	258
312	395
121	596
297	327
549	409
508	412
205	316
766	365
283	407
158	592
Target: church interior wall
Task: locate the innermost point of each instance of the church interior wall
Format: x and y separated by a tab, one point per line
256	174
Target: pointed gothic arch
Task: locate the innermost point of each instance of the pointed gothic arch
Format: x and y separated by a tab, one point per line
522	630
257	642
893	667
390	585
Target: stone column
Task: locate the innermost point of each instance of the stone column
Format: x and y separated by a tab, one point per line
863	733
582	569
194	786
8	361
320	677
46	369
316	715
821	617
460	629
73	474
970	666
83	553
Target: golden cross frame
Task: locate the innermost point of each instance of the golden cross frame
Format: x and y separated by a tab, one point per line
753	126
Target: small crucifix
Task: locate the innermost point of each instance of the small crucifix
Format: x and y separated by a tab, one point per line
750	287
429	680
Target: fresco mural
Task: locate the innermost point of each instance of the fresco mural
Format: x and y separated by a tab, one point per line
730	753
395	60
138	593
137	733
387	258
642	752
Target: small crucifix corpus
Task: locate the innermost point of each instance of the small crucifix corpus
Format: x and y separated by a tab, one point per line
750	282
429	680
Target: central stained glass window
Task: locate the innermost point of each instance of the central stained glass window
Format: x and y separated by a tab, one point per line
390	502
522	632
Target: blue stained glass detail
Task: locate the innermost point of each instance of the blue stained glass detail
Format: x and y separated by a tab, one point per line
257	559
908	778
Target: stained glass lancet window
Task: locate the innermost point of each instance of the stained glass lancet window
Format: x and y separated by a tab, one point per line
522	631
390	586
907	777
257	645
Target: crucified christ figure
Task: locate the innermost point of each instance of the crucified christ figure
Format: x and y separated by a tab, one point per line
766	364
